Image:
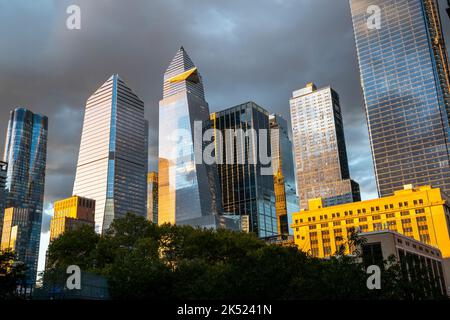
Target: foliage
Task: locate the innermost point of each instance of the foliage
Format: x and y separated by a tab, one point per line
145	261
12	274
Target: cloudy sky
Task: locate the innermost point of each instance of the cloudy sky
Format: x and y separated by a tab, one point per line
256	50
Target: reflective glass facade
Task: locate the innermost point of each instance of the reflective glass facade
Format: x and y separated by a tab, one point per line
245	191
112	163
152	197
320	152
187	191
26	155
284	174
3	172
405	80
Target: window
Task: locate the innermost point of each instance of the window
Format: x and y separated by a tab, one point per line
404	213
419	211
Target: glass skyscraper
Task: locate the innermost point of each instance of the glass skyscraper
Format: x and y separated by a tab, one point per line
112	163
152	197
320	151
405	80
245	190
26	154
3	173
286	200
187	188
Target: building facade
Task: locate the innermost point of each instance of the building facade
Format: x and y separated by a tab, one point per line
421	213
320	151
112	163
406	83
71	213
286	200
247	188
187	188
26	155
415	258
152	197
3	174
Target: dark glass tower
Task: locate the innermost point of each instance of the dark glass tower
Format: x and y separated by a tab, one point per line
405	80
245	190
26	154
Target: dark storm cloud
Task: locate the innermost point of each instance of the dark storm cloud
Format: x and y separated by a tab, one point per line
246	50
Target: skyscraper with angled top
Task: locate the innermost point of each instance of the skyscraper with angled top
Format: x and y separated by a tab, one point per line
112	163
188	188
406	84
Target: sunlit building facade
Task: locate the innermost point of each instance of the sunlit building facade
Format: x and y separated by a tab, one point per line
320	151
421	213
406	83
187	190
70	214
286	200
152	197
26	155
112	162
246	189
3	173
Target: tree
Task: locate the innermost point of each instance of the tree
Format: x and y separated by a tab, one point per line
12	274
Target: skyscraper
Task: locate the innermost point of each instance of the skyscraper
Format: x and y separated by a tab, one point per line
320	152
246	189
152	197
3	173
286	200
187	187
26	155
112	162
406	84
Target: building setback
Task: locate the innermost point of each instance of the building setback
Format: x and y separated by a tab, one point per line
112	162
406	85
320	152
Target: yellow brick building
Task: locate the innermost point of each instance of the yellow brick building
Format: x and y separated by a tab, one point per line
71	213
422	213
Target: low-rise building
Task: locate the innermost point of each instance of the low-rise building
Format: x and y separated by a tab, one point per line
70	214
412	255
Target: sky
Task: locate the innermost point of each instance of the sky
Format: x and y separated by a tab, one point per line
258	50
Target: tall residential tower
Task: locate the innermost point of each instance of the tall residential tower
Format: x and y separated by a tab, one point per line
112	163
320	152
26	155
187	189
406	84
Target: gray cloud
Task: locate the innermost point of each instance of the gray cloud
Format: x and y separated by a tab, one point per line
257	50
